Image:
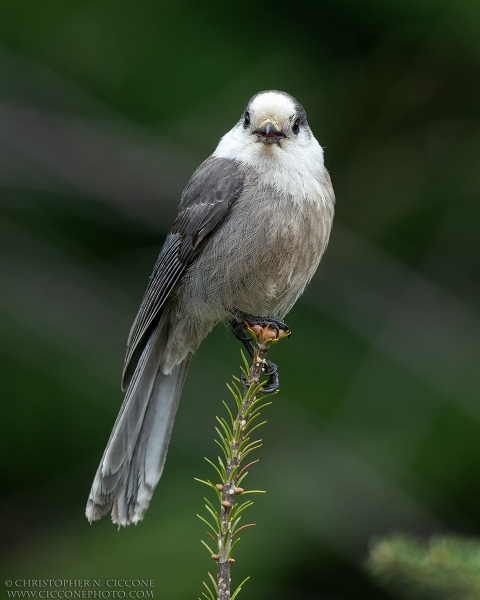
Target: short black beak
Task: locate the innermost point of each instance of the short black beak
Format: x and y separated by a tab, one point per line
269	133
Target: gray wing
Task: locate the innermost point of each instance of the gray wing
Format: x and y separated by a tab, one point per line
205	203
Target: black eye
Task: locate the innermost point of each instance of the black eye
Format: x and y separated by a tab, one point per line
296	127
246	119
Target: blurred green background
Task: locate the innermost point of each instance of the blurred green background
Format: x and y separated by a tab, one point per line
106	108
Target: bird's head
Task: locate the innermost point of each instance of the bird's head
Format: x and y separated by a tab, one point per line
274	117
273	132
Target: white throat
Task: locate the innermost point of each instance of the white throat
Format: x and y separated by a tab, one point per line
294	166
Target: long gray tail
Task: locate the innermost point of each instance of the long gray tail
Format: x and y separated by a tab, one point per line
135	454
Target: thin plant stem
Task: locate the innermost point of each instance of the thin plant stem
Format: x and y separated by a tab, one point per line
229	487
235	443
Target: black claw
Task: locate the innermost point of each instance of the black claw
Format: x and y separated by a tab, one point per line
273	380
239	333
272	369
252	320
238	325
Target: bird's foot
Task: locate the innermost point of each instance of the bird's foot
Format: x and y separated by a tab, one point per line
273	383
244	321
265	331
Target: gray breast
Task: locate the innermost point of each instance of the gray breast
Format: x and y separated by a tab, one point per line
261	257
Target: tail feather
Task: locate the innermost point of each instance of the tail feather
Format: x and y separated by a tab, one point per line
135	454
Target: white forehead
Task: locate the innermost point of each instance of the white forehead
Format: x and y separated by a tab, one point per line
273	103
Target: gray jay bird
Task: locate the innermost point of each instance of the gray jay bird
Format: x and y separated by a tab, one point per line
253	223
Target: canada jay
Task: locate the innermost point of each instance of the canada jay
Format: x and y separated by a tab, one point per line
253	223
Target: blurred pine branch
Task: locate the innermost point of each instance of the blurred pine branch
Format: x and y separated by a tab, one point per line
442	568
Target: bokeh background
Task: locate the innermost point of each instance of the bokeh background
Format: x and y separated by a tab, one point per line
106	108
